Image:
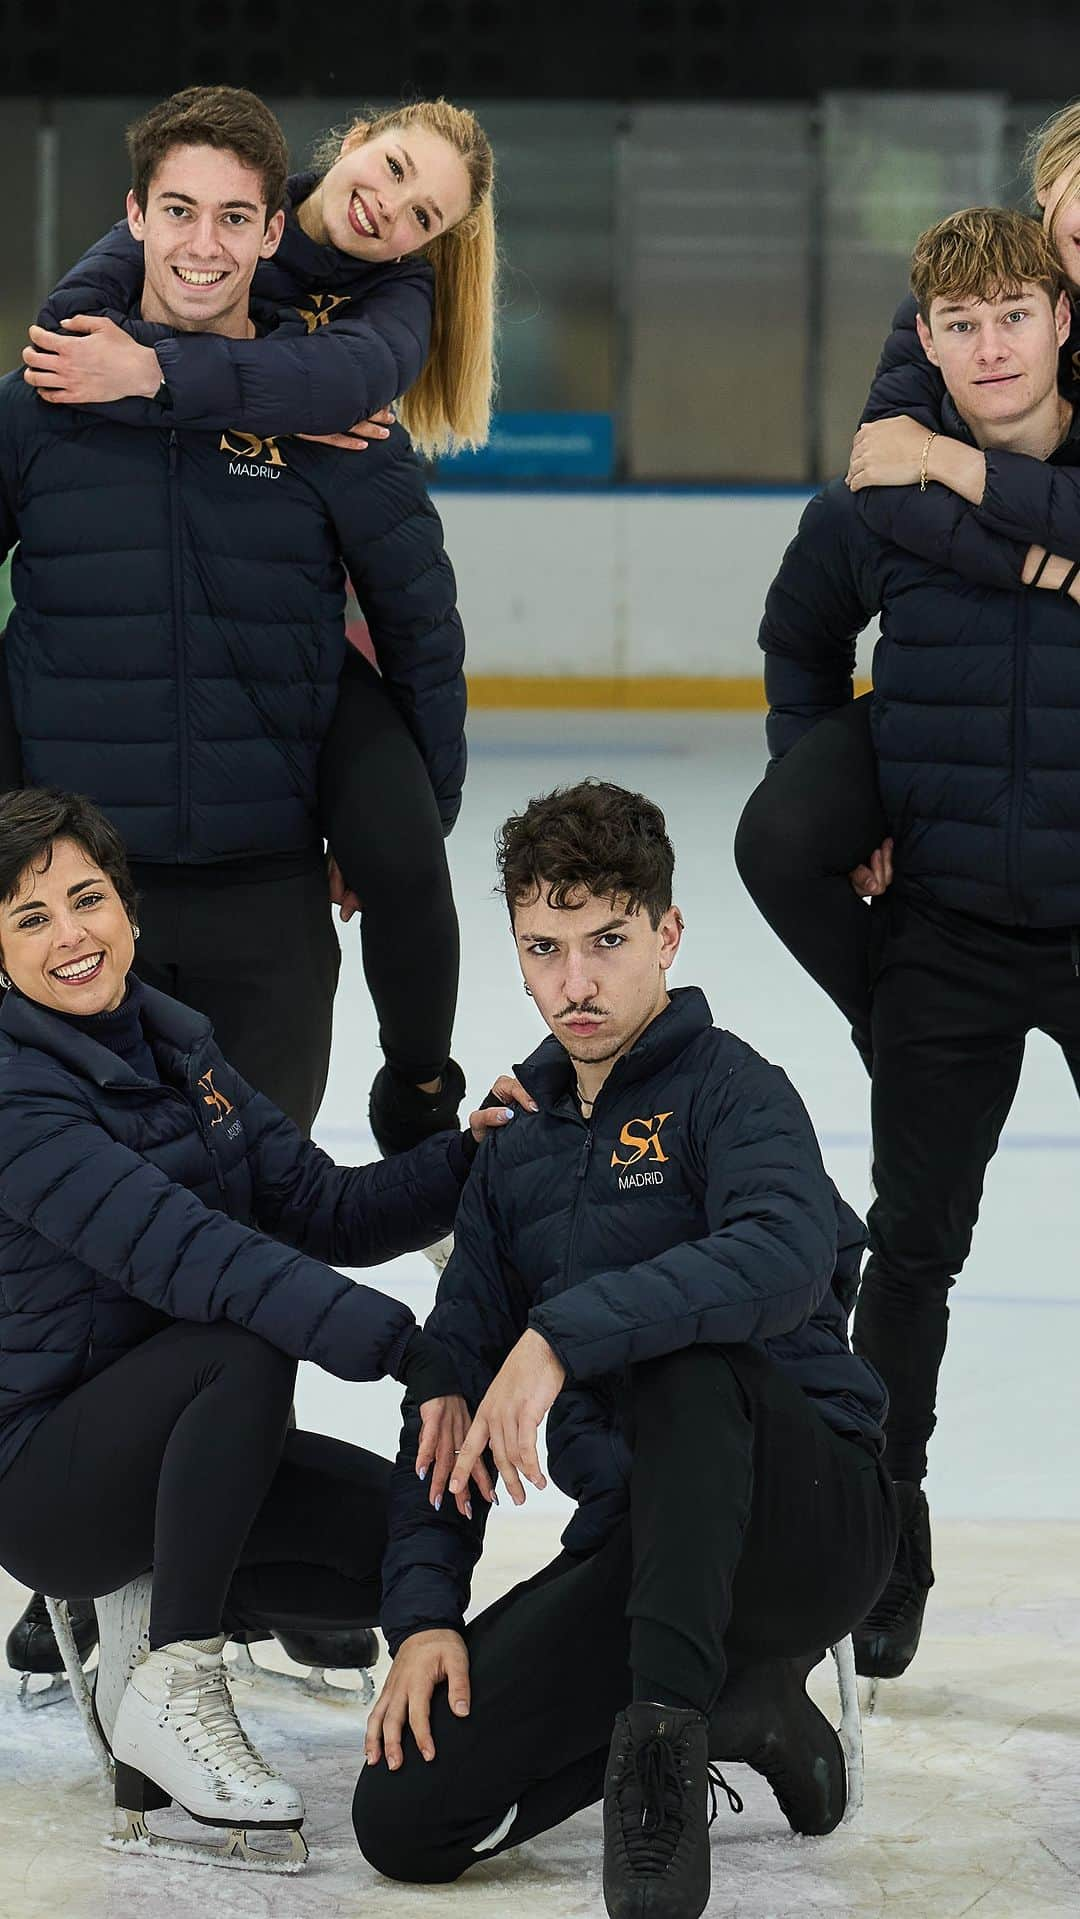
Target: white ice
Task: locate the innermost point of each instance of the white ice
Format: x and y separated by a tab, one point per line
973	1759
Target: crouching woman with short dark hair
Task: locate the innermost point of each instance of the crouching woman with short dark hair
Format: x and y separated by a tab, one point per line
167	1241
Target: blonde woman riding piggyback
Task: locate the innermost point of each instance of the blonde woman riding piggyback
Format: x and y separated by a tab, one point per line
376	291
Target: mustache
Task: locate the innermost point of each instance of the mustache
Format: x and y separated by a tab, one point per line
582	1012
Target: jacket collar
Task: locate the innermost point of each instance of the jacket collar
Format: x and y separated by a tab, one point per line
176	1034
549	1075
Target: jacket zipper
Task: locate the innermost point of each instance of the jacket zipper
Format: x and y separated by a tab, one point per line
183	793
579	1187
1019	737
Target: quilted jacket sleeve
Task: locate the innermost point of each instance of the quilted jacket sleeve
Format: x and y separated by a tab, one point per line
296	379
905	381
941	527
350	1215
391	539
816	607
765	1264
480	1312
63	1177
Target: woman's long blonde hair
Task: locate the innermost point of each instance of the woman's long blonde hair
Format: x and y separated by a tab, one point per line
1054	149
449	406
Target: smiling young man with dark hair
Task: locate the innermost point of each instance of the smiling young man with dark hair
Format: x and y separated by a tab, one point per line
656	1256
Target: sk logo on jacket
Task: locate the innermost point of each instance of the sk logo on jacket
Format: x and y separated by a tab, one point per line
321	309
641	1138
255	458
211	1097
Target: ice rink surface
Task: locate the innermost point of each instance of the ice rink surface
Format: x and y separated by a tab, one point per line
973	1759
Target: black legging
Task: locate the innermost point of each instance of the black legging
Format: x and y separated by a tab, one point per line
755	1533
176	1457
378	812
815	816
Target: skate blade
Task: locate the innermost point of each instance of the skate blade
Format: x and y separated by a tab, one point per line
32	1698
868	1696
314	1684
250	1850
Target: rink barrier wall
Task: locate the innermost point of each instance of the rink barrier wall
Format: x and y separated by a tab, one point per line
618	597
587	692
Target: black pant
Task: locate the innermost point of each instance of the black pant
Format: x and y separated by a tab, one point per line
754	1532
254	948
252	944
176	1457
379	815
815	816
954	999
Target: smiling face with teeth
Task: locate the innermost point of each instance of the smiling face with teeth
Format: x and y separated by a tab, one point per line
66	938
388	195
204	230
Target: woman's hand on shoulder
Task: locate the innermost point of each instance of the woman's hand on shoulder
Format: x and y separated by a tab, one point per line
887	453
488	1119
92	362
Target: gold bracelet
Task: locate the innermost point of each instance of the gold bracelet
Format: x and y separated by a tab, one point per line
930	438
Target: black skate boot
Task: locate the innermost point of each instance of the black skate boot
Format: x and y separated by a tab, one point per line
32	1649
401	1115
764	1718
659	1802
321	1645
888	1639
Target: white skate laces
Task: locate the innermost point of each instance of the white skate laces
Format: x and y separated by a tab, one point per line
198	1706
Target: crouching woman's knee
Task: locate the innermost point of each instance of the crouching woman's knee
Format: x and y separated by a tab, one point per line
396	1819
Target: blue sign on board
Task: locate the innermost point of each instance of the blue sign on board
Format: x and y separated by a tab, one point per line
539	446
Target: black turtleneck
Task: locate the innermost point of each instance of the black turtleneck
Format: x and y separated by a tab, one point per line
121	1031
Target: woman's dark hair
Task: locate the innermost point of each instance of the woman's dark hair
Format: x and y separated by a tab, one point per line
593	838
228	118
33	818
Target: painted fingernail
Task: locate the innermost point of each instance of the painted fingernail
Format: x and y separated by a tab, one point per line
438	1502
509	1111
494	1499
468	1509
421	1472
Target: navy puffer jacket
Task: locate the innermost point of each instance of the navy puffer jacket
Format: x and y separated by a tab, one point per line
694	1208
350	335
178	631
976	704
125	1204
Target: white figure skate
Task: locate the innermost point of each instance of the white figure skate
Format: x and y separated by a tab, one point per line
176	1737
123	1641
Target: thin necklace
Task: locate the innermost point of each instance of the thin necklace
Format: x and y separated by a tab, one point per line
583	1097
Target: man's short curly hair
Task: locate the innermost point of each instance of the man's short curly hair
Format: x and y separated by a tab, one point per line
591	839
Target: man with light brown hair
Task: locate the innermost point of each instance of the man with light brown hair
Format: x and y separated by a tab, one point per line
975	719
